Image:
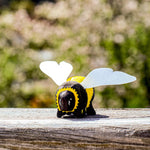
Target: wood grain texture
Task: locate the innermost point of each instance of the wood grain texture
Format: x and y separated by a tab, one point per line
39	129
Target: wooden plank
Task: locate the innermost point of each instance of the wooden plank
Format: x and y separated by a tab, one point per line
41	129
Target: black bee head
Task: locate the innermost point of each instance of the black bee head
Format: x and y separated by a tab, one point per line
66	100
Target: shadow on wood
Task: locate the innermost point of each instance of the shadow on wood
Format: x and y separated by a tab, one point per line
86	118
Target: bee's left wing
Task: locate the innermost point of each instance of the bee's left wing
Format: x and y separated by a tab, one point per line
58	72
106	76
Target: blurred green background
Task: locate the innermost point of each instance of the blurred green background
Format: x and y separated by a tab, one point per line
88	34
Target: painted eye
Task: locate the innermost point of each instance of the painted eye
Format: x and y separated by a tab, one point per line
69	103
70	99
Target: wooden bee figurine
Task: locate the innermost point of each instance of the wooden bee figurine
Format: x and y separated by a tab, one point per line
74	95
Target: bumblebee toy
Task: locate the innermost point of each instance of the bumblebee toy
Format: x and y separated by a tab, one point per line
74	95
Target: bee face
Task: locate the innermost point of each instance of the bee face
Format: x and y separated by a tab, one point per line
66	101
70	97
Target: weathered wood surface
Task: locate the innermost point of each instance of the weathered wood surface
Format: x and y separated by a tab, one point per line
27	129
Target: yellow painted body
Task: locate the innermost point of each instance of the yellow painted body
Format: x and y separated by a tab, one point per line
89	91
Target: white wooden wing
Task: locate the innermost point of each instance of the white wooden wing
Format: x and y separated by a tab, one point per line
58	72
106	76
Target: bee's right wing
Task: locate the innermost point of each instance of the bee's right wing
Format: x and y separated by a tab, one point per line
58	72
106	76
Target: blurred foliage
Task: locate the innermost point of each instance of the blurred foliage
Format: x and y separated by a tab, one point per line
88	34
